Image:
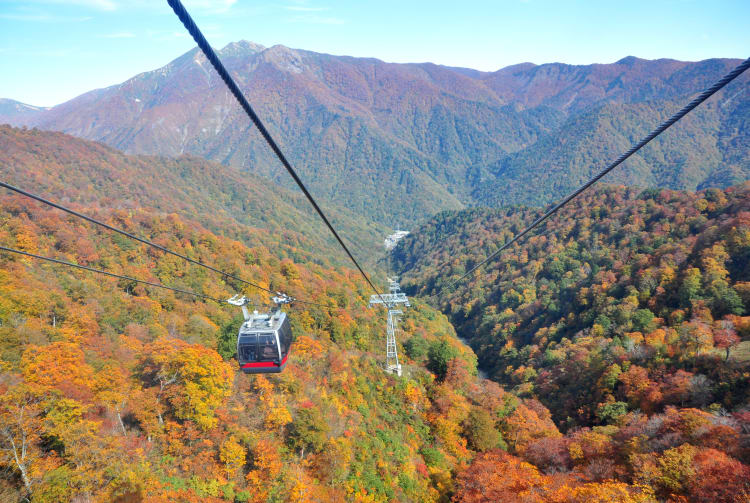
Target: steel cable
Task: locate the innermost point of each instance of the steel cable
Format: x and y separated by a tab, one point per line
208	51
99	271
144	241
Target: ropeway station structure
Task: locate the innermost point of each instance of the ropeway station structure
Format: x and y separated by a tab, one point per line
392	240
392	301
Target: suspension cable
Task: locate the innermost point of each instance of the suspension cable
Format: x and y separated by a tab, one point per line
653	134
450	260
129	235
208	51
99	271
144	241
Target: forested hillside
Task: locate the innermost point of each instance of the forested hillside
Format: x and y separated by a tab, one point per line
115	391
617	338
399	142
709	148
627	316
238	205
112	391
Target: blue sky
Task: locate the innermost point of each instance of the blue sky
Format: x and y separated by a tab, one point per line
54	50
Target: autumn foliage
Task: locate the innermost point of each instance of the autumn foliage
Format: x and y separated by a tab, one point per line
619	365
112	391
624	324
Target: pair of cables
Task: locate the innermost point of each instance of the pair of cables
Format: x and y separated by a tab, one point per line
135	238
232	85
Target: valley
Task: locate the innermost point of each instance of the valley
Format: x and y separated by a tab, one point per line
602	359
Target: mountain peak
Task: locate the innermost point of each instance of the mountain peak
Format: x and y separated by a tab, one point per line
518	67
241	48
284	58
17	105
280	48
17	112
629	61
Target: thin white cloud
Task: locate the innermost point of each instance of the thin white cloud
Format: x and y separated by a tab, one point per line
52	53
310	14
216	6
166	34
213	30
93	4
119	34
43	18
96	4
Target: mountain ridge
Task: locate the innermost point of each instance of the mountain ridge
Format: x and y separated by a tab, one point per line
395	141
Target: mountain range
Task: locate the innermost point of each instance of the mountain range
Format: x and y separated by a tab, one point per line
10	109
399	142
617	339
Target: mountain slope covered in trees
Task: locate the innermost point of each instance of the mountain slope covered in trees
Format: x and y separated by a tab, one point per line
708	148
619	336
112	391
625	316
69	170
617	266
366	134
115	391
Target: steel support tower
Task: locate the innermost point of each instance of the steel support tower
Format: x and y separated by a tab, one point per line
391	301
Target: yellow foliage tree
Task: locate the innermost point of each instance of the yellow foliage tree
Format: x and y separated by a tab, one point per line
232	454
194	379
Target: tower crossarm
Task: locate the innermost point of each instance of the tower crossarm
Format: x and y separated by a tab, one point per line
389	299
